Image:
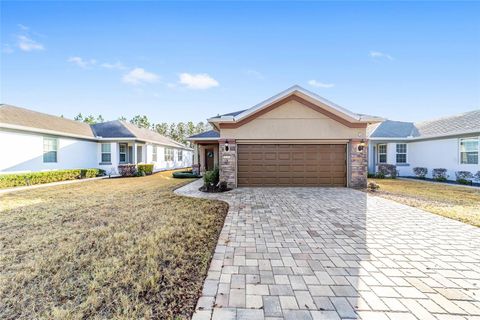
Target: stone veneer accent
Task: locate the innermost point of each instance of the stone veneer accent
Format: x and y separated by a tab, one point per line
358	164
228	161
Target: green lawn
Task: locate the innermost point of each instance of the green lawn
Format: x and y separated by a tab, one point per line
459	203
115	248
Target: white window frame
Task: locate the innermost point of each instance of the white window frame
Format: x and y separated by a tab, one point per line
53	147
382	153
169	154
109	153
180	155
154	153
460	160
405	153
120	153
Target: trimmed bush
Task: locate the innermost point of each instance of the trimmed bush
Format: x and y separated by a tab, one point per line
477	176
32	178
372	186
211	178
388	170
127	170
464	177
420	172
439	174
184	175
380	175
145	168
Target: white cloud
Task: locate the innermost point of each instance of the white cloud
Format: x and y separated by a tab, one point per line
139	76
26	43
82	63
23	27
380	55
117	66
199	81
318	84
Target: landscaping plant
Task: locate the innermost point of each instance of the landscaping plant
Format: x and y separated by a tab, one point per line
387	170
439	174
127	170
420	172
464	177
32	178
372	186
145	169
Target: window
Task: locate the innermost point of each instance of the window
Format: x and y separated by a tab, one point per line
401	153
122	148
50	149
382	153
469	151
106	153
154	153
168	154
180	155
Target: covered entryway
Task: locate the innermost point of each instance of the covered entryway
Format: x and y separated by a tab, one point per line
292	165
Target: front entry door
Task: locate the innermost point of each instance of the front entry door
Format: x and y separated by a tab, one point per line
139	154
209	159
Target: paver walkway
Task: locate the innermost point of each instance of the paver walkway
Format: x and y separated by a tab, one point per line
326	253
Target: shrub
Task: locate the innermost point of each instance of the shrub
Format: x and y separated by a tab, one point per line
464	177
370	175
439	174
32	178
372	186
145	168
388	170
420	172
127	170
380	175
184	175
477	176
211	178
222	186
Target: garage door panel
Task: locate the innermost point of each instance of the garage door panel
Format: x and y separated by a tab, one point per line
291	165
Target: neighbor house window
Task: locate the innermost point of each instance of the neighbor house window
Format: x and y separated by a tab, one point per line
168	154
469	151
50	149
382	153
122	147
154	153
401	153
180	155
106	153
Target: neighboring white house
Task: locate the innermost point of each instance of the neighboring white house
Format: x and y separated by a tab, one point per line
451	143
34	141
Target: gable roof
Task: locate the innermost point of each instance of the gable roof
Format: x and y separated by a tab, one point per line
20	118
17	118
302	93
464	123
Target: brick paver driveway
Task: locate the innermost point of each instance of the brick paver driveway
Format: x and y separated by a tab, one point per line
324	253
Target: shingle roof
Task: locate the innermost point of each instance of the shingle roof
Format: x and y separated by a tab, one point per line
464	123
17	116
206	134
11	116
461	123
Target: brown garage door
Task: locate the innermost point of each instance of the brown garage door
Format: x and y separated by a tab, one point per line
292	165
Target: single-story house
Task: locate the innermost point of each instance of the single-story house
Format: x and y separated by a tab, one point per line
450	143
34	141
295	138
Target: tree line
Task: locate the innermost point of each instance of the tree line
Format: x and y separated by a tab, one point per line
177	131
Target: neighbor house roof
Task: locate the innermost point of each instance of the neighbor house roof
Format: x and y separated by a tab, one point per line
207	135
12	117
464	123
295	90
20	118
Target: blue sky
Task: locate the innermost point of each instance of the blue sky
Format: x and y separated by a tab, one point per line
179	61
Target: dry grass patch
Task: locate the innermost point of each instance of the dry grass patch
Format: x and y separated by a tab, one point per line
459	203
116	248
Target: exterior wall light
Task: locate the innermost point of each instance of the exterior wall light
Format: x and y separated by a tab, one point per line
361	146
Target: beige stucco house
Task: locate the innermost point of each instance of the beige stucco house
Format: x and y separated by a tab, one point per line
295	138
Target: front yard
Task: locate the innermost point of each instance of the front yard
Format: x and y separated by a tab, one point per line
116	248
459	203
